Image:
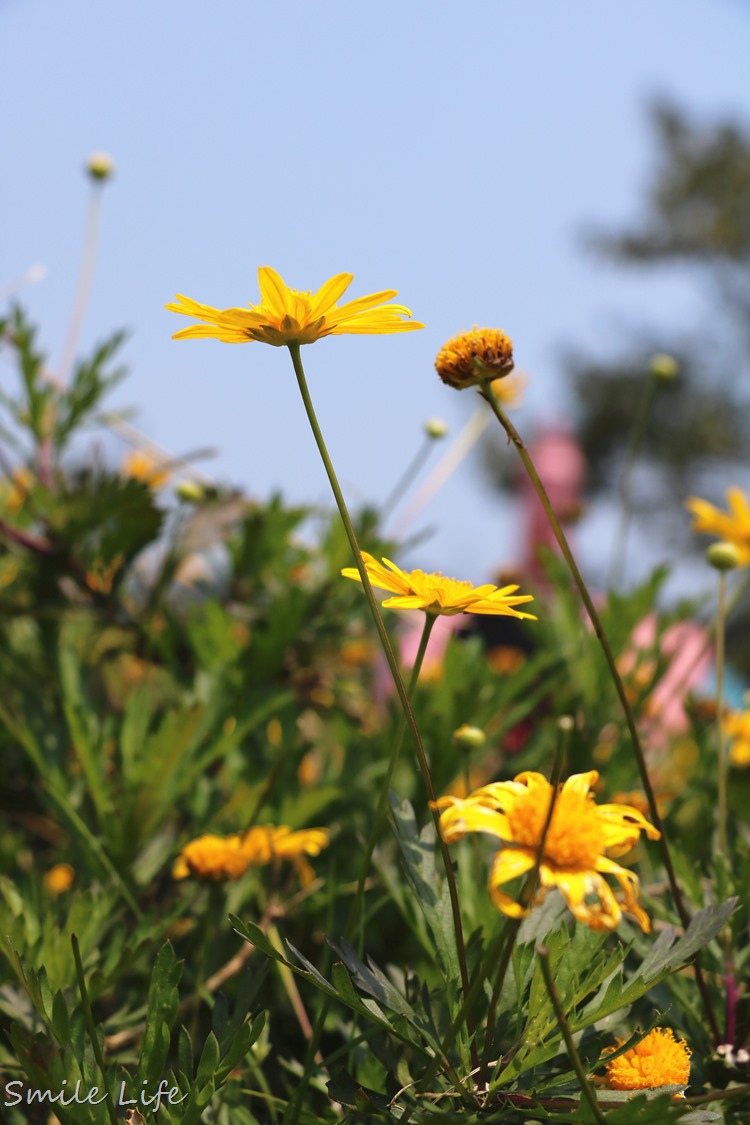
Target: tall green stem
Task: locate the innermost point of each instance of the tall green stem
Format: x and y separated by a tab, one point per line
721	616
382	805
294	351
559	534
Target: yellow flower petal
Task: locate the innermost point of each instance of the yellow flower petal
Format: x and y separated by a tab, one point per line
438	595
574	856
285	316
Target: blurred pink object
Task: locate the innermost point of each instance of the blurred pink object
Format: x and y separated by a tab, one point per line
409	635
561	466
686	646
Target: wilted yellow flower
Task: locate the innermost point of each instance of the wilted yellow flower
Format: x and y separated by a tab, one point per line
473	357
658	1060
59	878
286	316
435	594
732	526
737	729
142	466
574	858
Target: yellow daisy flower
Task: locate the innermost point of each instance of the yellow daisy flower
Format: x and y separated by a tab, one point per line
575	849
215	859
435	594
658	1060
266	844
732	526
286	316
473	357
224	858
737	729
140	465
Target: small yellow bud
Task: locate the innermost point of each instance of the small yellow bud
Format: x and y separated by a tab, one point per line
100	166
435	428
723	556
469	738
663	366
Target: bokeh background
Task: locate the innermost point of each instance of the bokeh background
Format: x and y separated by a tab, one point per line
468	155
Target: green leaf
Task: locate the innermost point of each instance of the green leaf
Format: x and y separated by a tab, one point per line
163	1003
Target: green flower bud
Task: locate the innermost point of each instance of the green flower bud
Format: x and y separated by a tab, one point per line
723	556
100	166
469	738
664	367
436	428
190	491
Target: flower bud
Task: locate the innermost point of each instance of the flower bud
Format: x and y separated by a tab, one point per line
664	367
100	166
723	556
469	738
436	428
190	491
475	357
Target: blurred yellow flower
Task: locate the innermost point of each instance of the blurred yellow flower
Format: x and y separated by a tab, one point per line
473	357
15	489
658	1060
212	858
732	526
142	466
574	857
59	879
435	594
737	729
224	858
286	316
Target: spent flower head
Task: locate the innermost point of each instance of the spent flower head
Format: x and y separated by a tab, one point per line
413	589
574	858
658	1060
288	316
475	357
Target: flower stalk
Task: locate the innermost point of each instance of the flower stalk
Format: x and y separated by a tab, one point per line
294	351
528	463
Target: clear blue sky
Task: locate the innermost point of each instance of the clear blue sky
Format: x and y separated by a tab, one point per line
454	152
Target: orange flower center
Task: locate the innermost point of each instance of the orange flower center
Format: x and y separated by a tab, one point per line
575	837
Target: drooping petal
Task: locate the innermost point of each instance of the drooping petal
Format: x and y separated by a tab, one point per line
509	864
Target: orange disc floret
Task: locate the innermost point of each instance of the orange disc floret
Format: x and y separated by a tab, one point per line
475	357
658	1060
